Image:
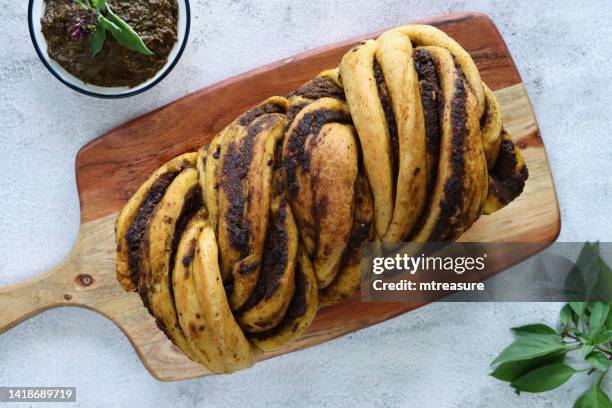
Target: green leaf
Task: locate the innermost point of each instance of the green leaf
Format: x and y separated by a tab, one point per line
589	264
582	278
602	338
544	378
577	307
512	370
109	25
530	346
126	35
566	315
599	314
595	397
84	4
598	360
603	288
575	287
99	4
587	349
609	320
533	329
96	40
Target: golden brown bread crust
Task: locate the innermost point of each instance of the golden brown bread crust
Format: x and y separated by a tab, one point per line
382	91
320	165
348	279
180	202
138	209
455	197
227	338
234	248
190	314
275	287
244	193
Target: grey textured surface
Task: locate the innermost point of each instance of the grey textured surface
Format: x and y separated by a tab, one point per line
435	357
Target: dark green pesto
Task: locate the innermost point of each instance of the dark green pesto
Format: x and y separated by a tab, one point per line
154	20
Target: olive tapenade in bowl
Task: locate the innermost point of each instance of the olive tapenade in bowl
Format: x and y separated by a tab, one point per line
109	48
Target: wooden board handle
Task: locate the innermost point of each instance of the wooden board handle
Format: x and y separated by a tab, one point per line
86	278
25	299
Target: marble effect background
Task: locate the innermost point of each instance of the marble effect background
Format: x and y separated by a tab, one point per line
436	356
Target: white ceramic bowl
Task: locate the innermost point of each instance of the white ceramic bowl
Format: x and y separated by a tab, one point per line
36	9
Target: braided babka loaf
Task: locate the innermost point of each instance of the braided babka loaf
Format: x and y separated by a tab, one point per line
234	248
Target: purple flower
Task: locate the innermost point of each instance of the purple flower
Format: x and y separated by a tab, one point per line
84	24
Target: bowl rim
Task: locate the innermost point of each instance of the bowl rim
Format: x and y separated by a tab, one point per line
43	57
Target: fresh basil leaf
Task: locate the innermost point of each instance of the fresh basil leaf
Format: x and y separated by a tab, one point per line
582	278
595	397
603	289
127	36
109	25
602	338
598	360
96	40
587	349
599	314
530	346
575	287
577	307
533	329
566	315
590	267
544	378
99	4
512	370
609	320
84	4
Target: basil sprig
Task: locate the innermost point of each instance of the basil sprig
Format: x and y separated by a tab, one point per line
537	359
107	20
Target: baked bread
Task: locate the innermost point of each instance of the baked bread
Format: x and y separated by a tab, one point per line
234	248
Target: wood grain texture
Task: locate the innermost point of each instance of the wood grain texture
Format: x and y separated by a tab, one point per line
110	168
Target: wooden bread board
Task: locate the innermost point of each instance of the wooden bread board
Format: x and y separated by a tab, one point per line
110	168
